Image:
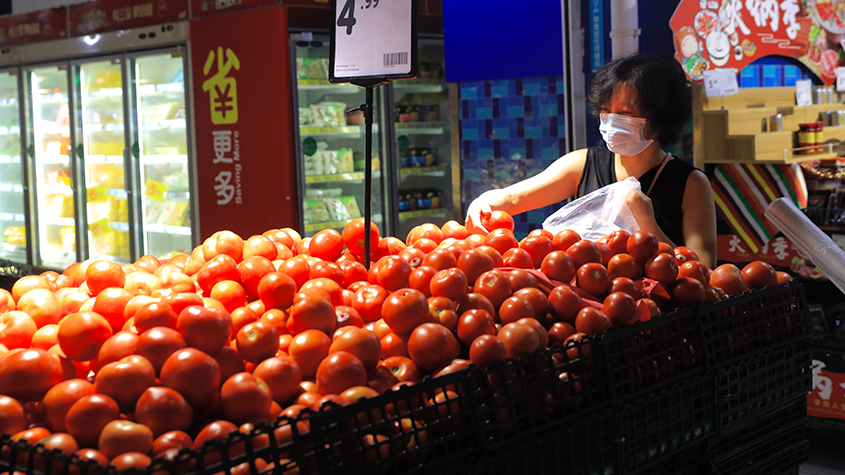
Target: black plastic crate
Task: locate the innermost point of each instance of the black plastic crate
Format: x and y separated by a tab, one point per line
654	428
286	445
756	321
545	389
417	429
584	446
685	462
777	444
762	384
647	356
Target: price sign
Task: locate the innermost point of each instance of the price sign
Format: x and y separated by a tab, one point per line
155	190
373	39
97	194
840	79
98	228
804	92
720	82
64	180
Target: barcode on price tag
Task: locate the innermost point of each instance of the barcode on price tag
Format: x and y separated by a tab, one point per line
394	59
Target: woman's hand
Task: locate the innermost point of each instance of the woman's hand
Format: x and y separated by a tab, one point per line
641	209
481	208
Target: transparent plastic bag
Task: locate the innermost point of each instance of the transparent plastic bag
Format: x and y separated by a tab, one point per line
598	213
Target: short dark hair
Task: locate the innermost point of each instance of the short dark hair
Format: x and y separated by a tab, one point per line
661	85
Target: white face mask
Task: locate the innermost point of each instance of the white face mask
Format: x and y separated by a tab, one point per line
623	134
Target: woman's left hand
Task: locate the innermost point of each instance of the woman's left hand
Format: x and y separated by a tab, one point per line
642	209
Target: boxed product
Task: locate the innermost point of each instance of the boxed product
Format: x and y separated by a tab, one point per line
312	68
328	114
315	211
345	162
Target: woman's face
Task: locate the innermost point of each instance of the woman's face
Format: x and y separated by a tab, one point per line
624	101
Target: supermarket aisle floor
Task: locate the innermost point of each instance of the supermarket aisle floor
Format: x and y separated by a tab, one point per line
826	458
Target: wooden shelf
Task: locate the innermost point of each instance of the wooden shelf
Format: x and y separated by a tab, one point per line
733	129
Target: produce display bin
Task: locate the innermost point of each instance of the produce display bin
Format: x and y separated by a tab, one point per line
654	428
685	462
648	356
584	446
762	384
775	444
547	389
746	325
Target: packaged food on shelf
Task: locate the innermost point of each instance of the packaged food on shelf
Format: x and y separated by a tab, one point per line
351	204
328	114
407	113
345	161
419	157
429	113
315	211
318	193
337	211
154	210
68	238
312	68
423	198
15	235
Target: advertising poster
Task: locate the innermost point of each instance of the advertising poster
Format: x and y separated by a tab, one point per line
712	34
827	399
34	26
779	252
110	15
243	117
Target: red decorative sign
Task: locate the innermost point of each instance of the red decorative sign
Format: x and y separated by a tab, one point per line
244	122
110	15
712	34
827	399
780	252
33	26
203	8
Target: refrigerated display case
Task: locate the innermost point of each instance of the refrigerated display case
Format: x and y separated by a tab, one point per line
52	177
330	144
13	245
411	161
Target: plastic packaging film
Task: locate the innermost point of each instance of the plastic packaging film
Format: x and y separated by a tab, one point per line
815	244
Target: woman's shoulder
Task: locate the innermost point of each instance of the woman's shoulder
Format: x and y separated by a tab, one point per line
680	167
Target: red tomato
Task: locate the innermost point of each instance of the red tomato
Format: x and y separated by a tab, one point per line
368	302
413	256
16	330
759	274
194	374
694	269
432	345
684	254
564	303
564	239
450	283
560	331
497	220
714	294
784	277
156	345
513	309
493	253
558	265
662	268
623	265
626	285
642	246
475	240
182	300
260	246
45	309
347	317
230	362
593	278
326	244
687	292
223	242
520	279
32	282
406	309
474	323
440	259
27	375
494	285
340	371
219	431
125	381
221	267
518	257
60	398
352	272
101	275
474	300
155	314
327	270
519	339
230	294
501	239
380	379
620	308
276	290
537	246
487	349
402	368
618	241
424	244
308	349
728	278
361	343
298	269
12	416
355	233
393	345
245	397
81	334
120	437
474	263
312	312
583	252
538	300
170	440
453	229
257	341
87	417
205	329
591	320
665	247
392	272
425	231
283	377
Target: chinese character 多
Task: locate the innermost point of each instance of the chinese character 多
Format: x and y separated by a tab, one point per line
763	12
735	247
225	190
730	15
222	146
222	89
790	10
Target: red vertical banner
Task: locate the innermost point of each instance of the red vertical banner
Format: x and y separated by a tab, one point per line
243	115
34	26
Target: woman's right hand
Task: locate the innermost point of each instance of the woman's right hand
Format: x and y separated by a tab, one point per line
481	208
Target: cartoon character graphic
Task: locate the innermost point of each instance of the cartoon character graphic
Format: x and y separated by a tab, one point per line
690	48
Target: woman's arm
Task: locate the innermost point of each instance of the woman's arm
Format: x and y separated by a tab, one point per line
557	182
699	223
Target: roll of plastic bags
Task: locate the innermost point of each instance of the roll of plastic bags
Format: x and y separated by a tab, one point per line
812	241
598	213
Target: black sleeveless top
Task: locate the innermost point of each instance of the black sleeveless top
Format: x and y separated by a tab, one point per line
667	195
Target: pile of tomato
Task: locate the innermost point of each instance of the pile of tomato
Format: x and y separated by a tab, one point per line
120	364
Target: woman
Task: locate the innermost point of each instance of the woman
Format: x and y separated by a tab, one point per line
642	102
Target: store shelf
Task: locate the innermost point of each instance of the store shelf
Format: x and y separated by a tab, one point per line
11	187
419	128
18	218
113	159
437	171
53	160
10	159
419	86
323	85
162	159
55	189
163	229
59	221
351	177
424	213
166	88
351	131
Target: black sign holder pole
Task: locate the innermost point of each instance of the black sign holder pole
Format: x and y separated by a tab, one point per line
367	109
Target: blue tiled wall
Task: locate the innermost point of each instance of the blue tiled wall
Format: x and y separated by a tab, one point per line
771	75
510	130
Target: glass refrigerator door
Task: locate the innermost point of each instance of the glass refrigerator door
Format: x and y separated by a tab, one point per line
331	145
102	143
12	216
161	147
423	143
49	148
